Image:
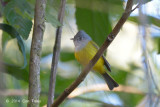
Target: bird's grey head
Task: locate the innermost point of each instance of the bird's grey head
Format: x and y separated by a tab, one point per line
81	38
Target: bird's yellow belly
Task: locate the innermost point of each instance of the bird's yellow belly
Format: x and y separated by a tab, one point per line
84	55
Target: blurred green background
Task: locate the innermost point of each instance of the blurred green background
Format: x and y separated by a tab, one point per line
97	18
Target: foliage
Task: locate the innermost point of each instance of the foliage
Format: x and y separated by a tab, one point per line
92	20
97	18
17	15
14	34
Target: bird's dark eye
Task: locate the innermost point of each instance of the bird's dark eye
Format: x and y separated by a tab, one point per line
80	38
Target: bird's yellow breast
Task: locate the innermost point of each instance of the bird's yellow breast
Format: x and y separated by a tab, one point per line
84	55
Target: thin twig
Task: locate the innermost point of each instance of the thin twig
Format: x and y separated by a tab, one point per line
13	92
103	104
34	66
138	5
154	82
17	92
103	87
156	103
107	42
143	32
56	52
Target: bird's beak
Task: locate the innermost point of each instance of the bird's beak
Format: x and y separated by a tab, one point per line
72	39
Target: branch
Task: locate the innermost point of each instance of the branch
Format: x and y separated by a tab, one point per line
107	42
103	87
34	65
102	104
17	92
143	34
152	78
136	7
56	52
13	92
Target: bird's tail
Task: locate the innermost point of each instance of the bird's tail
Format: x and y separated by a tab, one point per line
110	82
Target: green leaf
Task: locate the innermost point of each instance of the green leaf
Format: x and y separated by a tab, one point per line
120	75
5	39
129	99
52	19
14	34
51	16
1	8
62	83
152	20
94	22
103	6
67	56
24	8
21	22
156	42
159	46
20	74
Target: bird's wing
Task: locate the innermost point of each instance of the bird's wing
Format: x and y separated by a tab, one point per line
105	61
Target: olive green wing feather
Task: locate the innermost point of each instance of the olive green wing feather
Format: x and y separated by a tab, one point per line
105	61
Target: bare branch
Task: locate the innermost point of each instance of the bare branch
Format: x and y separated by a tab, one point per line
103	87
103	104
143	34
107	42
154	82
56	52
34	66
13	92
138	5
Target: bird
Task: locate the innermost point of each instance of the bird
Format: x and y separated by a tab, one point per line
85	50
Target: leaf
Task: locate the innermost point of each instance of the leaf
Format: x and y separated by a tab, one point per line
154	21
20	74
5	39
151	19
120	76
62	83
1	8
92	19
67	56
159	46
103	6
14	34
51	19
21	22
130	100
24	8
51	16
